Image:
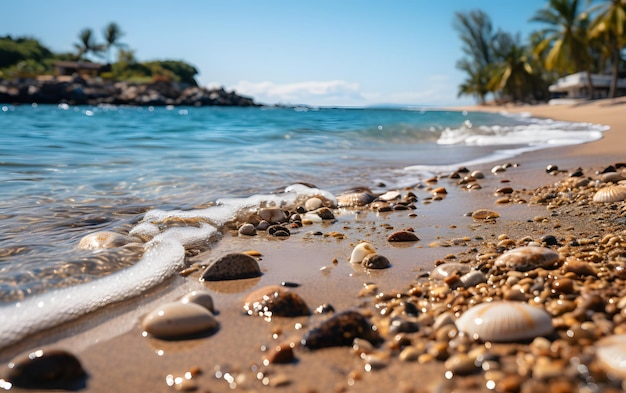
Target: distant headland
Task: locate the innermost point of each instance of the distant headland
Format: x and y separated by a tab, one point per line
32	73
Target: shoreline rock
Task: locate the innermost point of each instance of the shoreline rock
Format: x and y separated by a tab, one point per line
79	91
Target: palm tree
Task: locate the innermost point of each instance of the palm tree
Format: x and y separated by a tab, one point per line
566	42
87	44
512	74
112	35
475	31
610	24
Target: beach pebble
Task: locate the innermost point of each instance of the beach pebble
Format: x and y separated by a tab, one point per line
389	196
280	354
341	330
232	267
47	369
275	300
178	319
247	229
313	204
402	236
484	214
375	261
202	298
273	215
324	213
104	239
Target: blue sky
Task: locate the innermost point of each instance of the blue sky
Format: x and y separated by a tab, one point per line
341	52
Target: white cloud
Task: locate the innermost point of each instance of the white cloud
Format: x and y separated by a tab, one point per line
322	93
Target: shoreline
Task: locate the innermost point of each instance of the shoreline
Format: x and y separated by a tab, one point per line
309	260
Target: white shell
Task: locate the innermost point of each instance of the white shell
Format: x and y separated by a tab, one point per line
612	193
354	199
527	258
178	319
611	354
505	321
361	251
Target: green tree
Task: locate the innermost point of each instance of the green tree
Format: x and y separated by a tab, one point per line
512	73
610	25
87	44
566	44
112	35
13	51
475	30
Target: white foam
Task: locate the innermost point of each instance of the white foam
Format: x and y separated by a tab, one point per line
163	257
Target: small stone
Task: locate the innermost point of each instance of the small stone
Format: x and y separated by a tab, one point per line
341	330
273	215
552	168
275	300
313	204
247	229
375	261
278	231
202	298
178	320
460	364
281	354
484	214
232	267
402	236
47	369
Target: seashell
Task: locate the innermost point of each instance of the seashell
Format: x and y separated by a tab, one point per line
612	193
361	251
375	261
273	215
178	319
527	258
402	236
612	177
355	199
232	267
505	321
278	231
201	298
611	354
446	270
341	330
390	196
104	239
484	214
46	369
277	301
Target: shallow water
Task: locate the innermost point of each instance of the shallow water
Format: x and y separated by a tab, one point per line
69	171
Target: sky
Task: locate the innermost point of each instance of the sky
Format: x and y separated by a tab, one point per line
322	53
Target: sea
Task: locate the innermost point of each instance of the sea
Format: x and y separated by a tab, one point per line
70	171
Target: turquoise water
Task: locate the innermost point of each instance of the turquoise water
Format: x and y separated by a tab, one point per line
69	171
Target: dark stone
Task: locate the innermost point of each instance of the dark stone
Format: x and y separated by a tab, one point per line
552	168
341	330
47	369
232	267
275	301
549	240
402	236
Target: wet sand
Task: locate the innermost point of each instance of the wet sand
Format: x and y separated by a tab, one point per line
117	357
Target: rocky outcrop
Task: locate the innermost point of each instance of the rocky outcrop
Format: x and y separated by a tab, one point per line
78	91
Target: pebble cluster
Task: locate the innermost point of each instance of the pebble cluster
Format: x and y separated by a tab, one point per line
510	313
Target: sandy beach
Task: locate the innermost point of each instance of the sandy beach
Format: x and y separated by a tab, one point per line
118	357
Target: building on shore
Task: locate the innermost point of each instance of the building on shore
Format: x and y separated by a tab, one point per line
576	87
